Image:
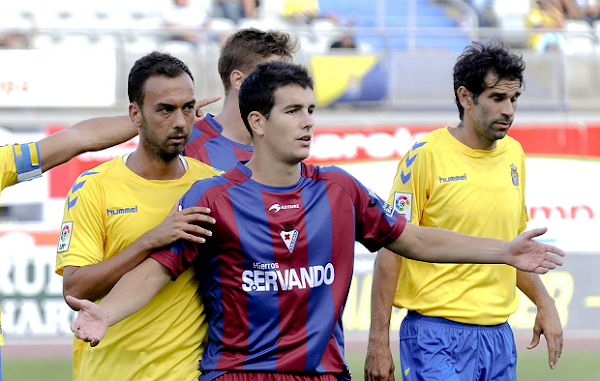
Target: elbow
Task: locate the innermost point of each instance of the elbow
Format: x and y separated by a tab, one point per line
71	288
69	292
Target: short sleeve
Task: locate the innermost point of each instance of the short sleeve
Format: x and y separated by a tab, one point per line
81	240
410	188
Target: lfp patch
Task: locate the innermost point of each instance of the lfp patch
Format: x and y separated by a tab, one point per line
403	204
66	231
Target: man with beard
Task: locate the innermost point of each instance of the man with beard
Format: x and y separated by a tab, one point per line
469	179
117	213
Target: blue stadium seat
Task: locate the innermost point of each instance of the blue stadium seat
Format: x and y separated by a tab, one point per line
397	16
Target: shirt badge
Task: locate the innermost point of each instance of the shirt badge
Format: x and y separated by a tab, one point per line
66	232
289	236
403	204
514	174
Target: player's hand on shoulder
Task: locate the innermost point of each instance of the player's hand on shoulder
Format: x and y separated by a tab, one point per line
527	254
184	224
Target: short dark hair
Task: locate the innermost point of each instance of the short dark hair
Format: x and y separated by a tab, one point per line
150	65
479	59
258	89
247	47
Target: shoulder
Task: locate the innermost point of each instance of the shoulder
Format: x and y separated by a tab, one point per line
99	175
430	141
202	169
208	188
513	145
334	175
205	126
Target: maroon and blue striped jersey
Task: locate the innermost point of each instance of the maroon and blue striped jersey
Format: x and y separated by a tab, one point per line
208	145
275	275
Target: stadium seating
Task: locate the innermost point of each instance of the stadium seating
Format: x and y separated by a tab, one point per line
580	38
400	15
511	16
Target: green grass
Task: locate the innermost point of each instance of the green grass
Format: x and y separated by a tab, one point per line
37	369
532	366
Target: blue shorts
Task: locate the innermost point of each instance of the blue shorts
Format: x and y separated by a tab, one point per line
435	349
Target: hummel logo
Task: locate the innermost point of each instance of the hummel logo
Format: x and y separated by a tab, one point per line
404	177
410	160
277	207
118	211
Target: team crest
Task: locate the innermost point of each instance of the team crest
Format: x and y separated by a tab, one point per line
403	204
66	232
514	174
289	235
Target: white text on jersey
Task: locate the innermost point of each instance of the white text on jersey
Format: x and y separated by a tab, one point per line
288	279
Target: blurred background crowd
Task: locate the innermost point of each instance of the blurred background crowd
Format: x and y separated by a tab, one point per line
181	25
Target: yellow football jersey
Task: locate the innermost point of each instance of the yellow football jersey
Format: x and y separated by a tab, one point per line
18	163
443	183
107	209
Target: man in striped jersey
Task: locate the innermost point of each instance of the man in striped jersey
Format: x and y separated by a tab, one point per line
276	272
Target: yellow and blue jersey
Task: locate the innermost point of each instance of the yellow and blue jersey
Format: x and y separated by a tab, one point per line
445	184
107	209
18	163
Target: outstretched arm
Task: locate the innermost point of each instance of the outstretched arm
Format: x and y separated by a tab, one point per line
95	281
130	294
444	246
93	135
89	135
379	363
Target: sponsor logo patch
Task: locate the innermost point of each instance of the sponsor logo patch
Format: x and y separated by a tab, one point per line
403	204
66	232
277	207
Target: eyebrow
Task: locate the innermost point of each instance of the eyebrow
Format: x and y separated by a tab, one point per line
499	93
297	106
159	105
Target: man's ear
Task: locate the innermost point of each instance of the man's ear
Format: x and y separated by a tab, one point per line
135	115
236	78
464	97
256	120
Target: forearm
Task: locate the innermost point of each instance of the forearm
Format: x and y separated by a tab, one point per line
88	135
531	285
93	282
385	279
444	246
134	290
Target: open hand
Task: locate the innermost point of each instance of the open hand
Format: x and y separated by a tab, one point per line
91	323
532	256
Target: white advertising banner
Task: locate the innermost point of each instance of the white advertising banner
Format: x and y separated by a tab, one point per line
57	78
